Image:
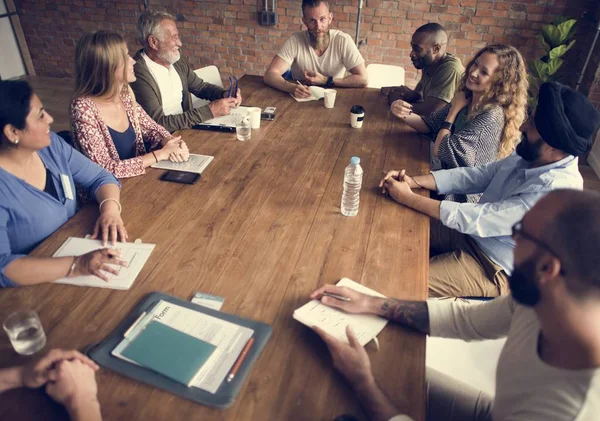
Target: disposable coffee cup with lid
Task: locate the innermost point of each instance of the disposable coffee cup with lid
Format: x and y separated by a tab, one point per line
357	115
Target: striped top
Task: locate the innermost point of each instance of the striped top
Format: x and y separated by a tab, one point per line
476	143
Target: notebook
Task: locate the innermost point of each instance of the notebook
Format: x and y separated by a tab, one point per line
136	255
170	352
334	321
316	91
226	122
196	164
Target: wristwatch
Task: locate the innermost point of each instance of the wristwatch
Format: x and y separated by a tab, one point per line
448	126
329	83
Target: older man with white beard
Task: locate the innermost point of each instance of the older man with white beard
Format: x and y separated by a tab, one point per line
165	81
320	56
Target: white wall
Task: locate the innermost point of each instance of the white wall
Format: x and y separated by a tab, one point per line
11	62
594	157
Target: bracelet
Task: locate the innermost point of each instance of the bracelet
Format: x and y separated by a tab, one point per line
155	157
72	266
113	200
417	183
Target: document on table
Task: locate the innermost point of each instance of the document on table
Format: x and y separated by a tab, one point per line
196	163
231	120
135	255
316	91
228	337
334	321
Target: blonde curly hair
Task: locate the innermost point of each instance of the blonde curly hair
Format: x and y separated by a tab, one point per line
507	90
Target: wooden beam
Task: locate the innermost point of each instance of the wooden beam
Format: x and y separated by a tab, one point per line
16	23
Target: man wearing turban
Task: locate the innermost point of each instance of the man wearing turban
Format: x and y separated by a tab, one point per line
471	243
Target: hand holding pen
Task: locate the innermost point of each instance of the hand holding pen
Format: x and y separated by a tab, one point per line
301	91
344	298
400	176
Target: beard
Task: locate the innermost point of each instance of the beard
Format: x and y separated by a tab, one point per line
522	284
170	57
317	42
422	62
530	151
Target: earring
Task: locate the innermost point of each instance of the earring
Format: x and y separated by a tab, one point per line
16	141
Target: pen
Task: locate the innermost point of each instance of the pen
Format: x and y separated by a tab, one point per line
336	296
240	359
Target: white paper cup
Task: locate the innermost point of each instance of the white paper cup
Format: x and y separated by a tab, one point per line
330	98
254	113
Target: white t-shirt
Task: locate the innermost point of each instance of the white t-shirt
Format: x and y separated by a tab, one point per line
527	389
169	83
341	55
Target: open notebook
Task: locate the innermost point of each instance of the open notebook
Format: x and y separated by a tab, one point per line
316	91
334	321
135	254
196	163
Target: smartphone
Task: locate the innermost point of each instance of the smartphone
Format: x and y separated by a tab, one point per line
180	177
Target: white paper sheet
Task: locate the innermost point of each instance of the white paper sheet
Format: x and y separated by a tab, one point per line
135	254
229	339
196	163
316	91
230	120
334	321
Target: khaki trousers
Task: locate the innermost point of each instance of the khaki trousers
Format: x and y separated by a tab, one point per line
451	400
458	267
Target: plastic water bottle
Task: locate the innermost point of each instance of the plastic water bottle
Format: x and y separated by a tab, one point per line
352	183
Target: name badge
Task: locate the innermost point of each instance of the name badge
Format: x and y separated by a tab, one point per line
66	184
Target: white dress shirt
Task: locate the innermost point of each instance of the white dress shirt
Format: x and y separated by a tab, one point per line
169	83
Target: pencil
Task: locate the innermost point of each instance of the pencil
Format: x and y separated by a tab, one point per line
336	296
240	359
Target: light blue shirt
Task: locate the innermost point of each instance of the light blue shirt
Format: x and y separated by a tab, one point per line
29	215
510	189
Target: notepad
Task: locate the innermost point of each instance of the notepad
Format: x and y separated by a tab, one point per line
196	164
134	254
334	321
316	91
170	352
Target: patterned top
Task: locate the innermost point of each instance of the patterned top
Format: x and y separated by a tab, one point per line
476	143
93	138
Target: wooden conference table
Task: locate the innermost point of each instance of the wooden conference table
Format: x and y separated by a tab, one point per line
263	229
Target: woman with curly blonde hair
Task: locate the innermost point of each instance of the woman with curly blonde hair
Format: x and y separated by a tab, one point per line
482	122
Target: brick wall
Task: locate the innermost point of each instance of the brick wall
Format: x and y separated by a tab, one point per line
226	32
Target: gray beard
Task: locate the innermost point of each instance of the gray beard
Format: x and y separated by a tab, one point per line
319	44
170	57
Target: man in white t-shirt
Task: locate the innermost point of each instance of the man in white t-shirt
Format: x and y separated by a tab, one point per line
549	368
320	56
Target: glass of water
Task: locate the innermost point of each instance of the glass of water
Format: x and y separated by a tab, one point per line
25	332
243	130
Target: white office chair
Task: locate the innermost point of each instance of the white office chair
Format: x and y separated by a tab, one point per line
208	74
473	363
381	75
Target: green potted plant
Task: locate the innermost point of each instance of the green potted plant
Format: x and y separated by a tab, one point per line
556	39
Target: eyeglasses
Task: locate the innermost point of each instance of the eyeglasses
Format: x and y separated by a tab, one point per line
232	92
517	229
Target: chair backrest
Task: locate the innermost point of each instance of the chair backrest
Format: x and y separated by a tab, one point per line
381	75
208	74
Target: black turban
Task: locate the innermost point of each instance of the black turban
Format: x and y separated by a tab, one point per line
566	119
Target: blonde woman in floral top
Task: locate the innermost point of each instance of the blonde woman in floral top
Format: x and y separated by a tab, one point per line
108	124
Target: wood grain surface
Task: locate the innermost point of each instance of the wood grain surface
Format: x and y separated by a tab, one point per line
263	229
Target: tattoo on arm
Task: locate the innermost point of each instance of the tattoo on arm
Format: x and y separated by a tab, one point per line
413	314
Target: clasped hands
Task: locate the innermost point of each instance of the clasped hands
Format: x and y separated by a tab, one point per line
398	185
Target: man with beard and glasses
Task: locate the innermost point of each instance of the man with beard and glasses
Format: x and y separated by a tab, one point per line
320	56
164	80
549	368
441	72
470	245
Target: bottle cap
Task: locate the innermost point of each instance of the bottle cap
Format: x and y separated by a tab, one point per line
355	160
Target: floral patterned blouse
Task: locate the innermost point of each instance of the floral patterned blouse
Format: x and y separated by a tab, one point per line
92	138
